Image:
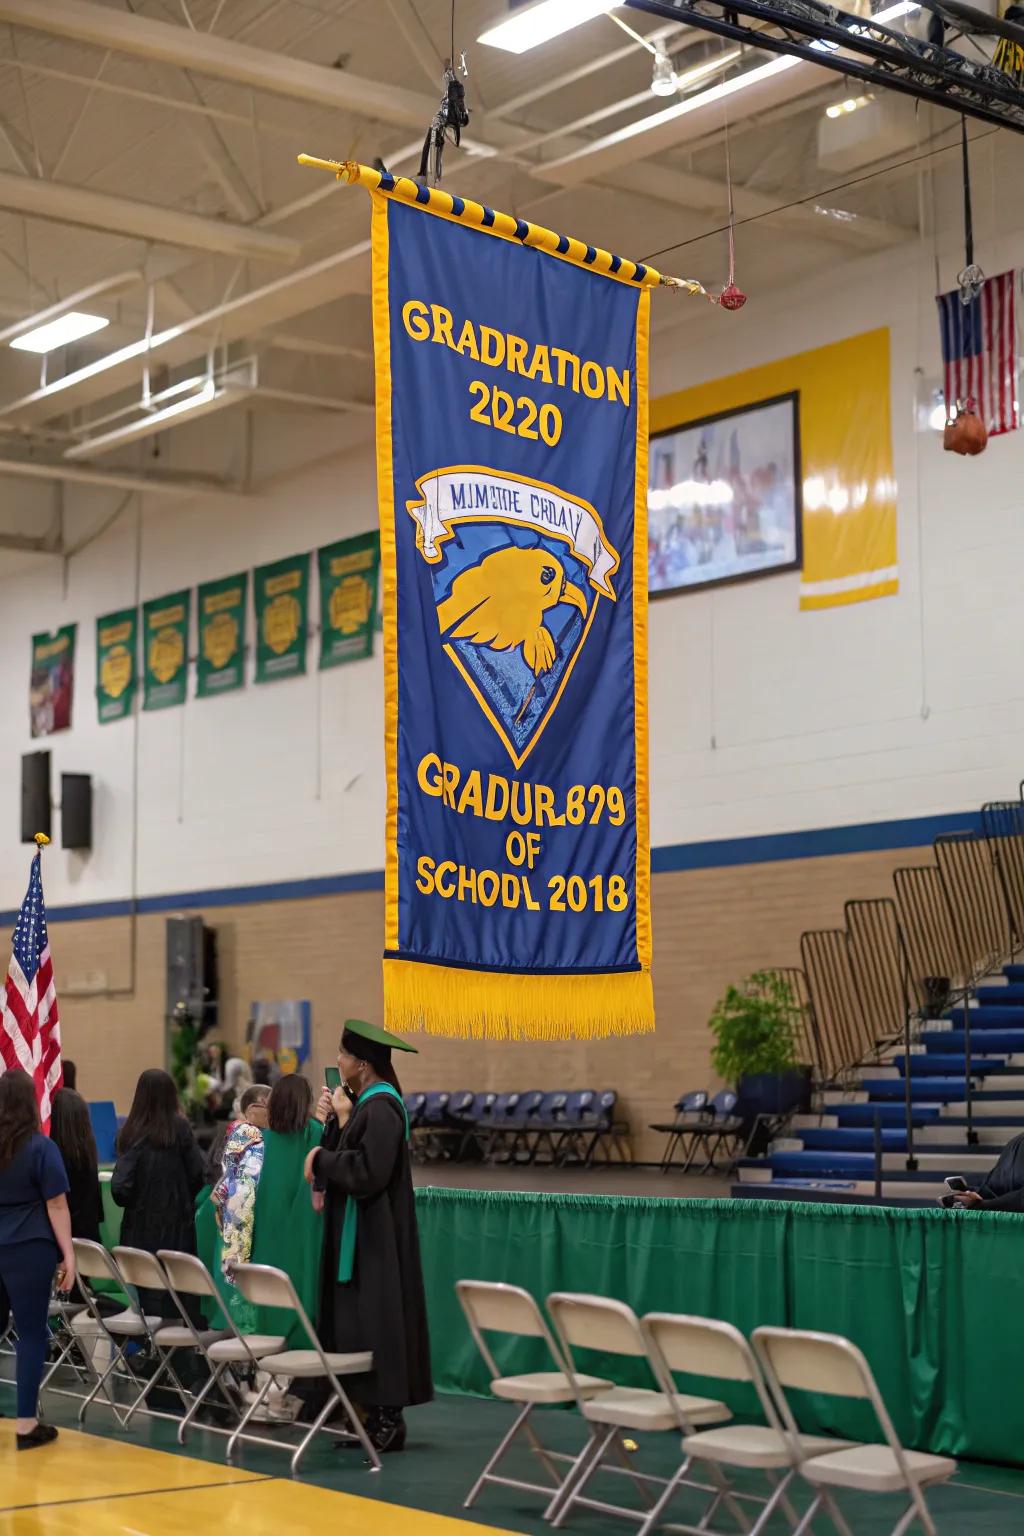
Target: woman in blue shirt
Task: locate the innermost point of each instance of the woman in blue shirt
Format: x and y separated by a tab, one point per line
35	1241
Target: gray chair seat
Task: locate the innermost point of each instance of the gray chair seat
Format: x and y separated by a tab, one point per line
234	1351
177	1336
306	1362
130	1325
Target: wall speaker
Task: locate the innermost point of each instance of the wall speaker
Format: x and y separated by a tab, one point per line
75	810
185	966
35	795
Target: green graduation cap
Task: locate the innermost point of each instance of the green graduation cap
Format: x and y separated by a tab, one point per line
378	1036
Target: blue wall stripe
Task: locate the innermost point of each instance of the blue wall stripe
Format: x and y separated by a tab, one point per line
724	853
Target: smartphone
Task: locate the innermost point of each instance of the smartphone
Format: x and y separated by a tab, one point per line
956	1184
332	1077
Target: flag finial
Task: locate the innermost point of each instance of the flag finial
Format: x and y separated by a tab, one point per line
41	840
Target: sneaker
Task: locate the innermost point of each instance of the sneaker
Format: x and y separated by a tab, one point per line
283	1409
43	1434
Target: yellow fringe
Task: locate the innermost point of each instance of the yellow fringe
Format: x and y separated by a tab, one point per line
491	1005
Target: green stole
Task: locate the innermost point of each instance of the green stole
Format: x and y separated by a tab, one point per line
350	1221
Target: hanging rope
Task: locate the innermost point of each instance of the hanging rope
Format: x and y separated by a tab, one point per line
731	297
972	278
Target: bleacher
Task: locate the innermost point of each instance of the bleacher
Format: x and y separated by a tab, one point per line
913	1022
562	1127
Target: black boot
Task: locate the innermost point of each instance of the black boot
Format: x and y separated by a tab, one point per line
43	1434
386	1429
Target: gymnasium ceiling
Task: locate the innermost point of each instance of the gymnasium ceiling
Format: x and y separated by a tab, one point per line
114	112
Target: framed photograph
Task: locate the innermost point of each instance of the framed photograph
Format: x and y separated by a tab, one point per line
724	498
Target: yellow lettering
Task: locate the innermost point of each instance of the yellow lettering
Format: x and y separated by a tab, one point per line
522	803
540	364
447	868
496	808
425	874
450	783
466	343
531	905
472	797
564	359
544	800
492	347
428	774
488	887
618	384
516	358
592	377
467	883
510	890
443	323
414	318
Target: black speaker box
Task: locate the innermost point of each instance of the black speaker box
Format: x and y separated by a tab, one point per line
35	795
185	988
75	810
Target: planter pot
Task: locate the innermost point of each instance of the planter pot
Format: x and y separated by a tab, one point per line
772	1093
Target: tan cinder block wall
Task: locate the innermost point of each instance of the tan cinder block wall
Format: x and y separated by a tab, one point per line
711	927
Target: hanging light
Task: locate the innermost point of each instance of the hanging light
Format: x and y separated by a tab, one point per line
663	76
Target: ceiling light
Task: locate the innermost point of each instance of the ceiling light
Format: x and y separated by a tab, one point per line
529	28
66	328
663	78
851	104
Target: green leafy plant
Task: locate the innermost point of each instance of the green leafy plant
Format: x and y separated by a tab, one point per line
755	1028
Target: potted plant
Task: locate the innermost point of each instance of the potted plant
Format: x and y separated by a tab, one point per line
755	1029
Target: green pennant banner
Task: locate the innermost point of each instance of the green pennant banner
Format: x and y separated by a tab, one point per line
165	646
220	614
281	593
52	684
115	664
349	576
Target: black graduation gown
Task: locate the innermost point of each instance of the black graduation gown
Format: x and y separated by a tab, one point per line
383	1308
1003	1188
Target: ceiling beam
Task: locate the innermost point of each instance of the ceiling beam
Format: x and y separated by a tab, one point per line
156	485
65	204
221	58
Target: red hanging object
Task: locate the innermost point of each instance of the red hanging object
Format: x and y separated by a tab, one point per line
965	433
731	297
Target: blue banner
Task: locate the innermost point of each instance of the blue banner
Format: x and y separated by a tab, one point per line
512	469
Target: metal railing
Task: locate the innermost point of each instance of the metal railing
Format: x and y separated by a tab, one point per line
844	1033
889	994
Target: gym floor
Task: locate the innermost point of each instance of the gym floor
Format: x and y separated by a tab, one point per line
107	1482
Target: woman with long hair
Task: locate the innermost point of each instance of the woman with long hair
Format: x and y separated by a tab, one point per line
71	1133
158	1173
373	1296
35	1241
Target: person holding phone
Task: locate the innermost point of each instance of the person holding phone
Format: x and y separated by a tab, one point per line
372	1295
35	1242
1002	1189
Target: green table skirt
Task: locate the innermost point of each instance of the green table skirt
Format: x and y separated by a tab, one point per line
934	1298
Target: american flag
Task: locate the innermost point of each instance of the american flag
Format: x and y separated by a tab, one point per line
981	351
29	1022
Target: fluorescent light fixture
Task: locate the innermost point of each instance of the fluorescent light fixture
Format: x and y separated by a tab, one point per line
663	77
851	104
58	333
538	24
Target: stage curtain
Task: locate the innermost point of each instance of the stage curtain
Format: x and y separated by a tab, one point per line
931	1297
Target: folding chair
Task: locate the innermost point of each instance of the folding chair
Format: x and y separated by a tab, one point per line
691	1118
189	1276
705	1347
594	1322
145	1271
578	1114
132	1326
548	1123
495	1123
827	1363
608	1135
69	1343
497	1308
519	1134
268	1287
723	1125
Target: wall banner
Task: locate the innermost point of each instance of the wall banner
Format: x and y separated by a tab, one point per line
220	610
165	650
349	573
52	684
281	593
115	664
512	477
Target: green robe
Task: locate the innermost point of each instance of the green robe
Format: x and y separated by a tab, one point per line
287	1233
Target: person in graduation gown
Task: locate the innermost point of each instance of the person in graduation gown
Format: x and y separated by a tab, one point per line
1002	1188
372	1295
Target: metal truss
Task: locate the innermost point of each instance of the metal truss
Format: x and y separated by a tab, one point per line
864	49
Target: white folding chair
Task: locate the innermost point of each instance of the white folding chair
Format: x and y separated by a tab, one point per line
505	1309
265	1286
71	1349
189	1276
594	1322
145	1271
704	1346
827	1363
93	1262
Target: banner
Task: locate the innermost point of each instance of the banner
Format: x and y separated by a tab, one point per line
281	594
165	650
52	684
348	598
220	615
512	477
115	664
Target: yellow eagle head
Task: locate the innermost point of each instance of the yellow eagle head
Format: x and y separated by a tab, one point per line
502	602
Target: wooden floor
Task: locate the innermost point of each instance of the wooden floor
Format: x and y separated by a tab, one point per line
87	1486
